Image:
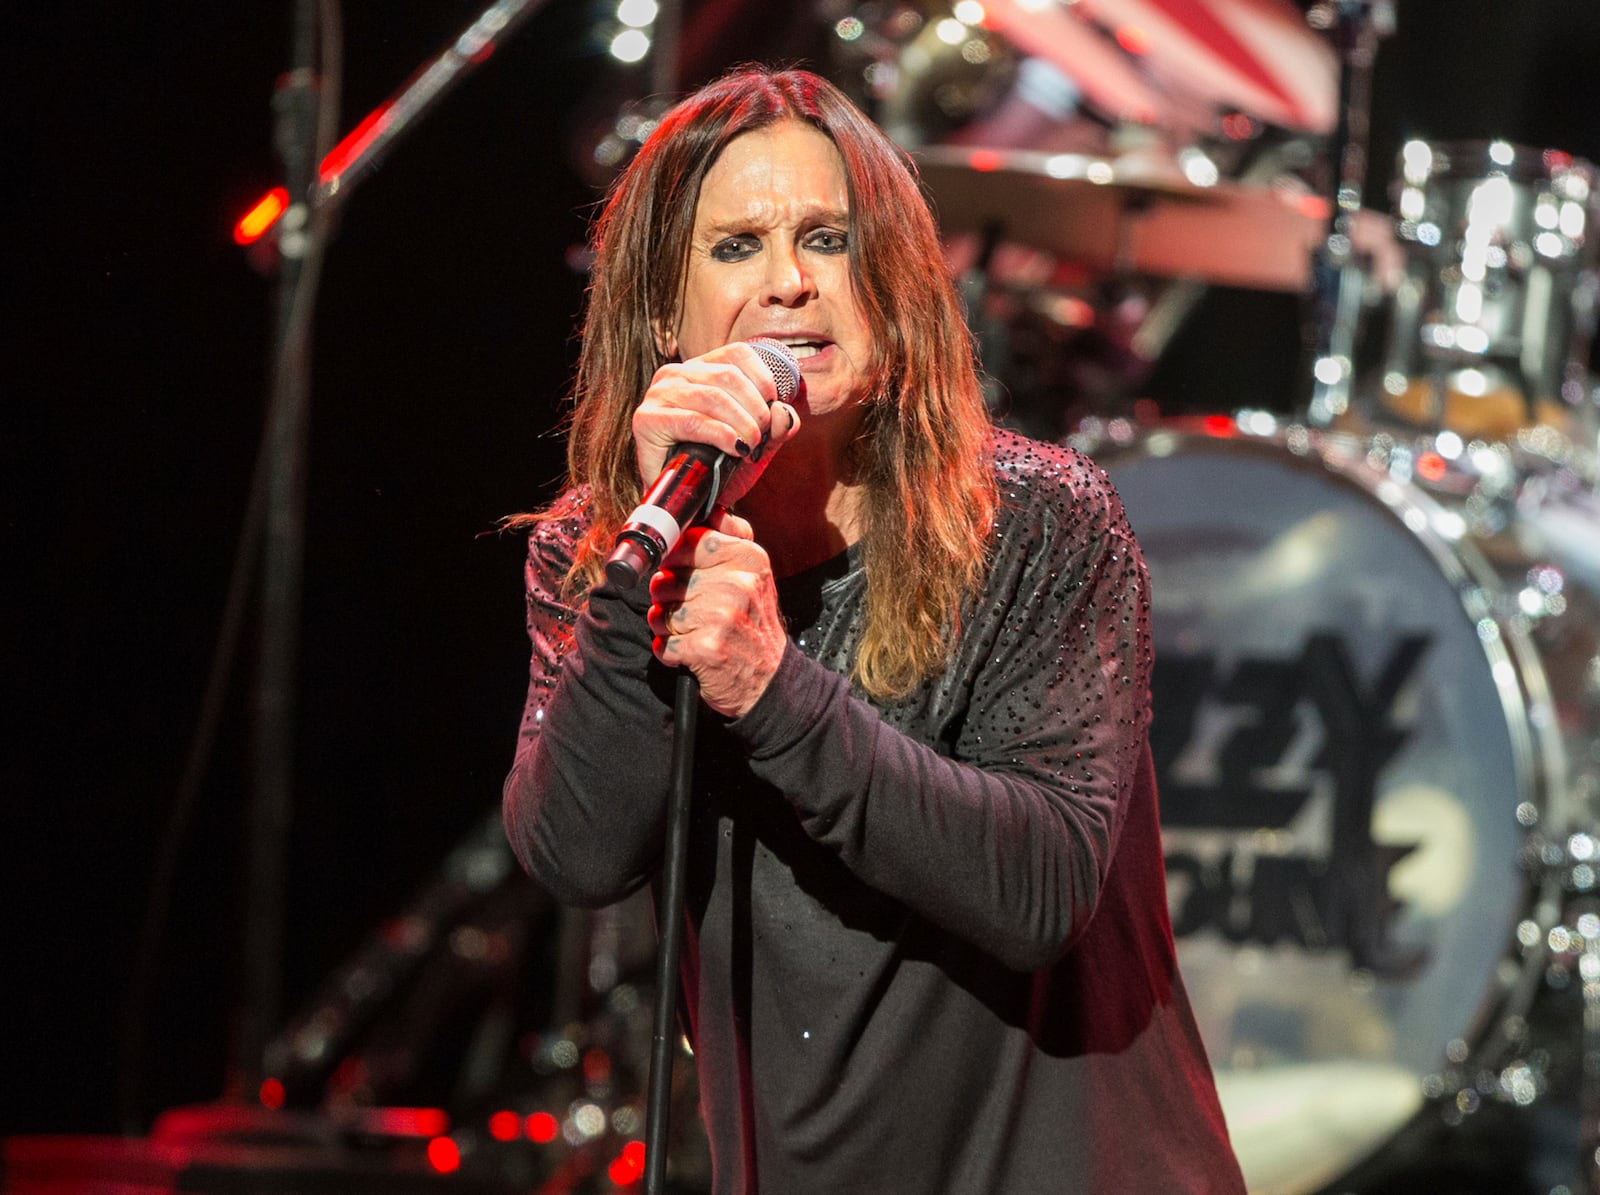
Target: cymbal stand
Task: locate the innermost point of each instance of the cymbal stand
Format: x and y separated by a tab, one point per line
975	286
1338	272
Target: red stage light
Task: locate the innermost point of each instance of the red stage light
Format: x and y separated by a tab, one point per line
1237	126
1432	467
272	1094
596	1065
263	216
253	225
505	1126
628	1167
407	1122
1217	425
542	1127
444	1155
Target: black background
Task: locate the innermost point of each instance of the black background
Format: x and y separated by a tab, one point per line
135	342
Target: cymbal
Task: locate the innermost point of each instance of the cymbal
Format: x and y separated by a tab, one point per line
1076	206
1137	215
1256	237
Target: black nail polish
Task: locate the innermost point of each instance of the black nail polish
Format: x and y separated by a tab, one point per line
741	448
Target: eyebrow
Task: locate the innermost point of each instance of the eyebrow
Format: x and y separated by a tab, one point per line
721	228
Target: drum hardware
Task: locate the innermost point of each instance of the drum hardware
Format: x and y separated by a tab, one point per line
1558	947
304	1053
1339	272
1496	306
927	77
1178	301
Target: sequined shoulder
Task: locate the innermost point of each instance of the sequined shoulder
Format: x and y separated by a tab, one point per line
1047	486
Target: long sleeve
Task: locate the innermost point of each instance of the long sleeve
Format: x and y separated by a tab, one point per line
1004	833
584	803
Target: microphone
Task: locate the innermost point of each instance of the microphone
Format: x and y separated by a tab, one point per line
687	486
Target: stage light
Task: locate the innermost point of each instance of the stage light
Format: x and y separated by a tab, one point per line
1432	467
542	1128
631	45
271	1094
254	223
407	1122
637	14
444	1155
628	1167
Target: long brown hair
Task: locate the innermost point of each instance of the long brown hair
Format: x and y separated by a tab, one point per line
924	448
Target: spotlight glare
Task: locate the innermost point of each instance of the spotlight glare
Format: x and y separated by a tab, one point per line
636	14
631	45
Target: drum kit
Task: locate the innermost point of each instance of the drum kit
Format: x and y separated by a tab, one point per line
1377	615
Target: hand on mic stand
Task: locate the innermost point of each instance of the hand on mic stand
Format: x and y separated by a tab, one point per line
688	485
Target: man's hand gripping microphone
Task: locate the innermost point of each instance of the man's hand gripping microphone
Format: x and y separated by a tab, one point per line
687	487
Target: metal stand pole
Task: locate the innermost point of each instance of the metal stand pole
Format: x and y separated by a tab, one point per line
675	866
315	194
1338	272
272	731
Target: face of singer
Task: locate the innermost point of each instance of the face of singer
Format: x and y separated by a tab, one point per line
769	258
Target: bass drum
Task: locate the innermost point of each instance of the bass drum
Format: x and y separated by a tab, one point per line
1376	733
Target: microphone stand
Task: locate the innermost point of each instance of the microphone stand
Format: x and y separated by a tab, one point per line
315	196
675	866
300	247
685	712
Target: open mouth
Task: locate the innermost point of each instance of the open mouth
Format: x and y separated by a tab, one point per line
802	347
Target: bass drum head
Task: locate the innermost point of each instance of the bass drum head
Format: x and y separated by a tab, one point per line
1343	758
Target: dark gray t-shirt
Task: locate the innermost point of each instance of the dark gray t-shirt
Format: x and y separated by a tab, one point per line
928	948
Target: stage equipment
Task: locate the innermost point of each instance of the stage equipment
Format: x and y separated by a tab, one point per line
1377	734
1492	320
1136	215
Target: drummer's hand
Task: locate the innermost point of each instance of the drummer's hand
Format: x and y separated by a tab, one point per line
715	611
724	398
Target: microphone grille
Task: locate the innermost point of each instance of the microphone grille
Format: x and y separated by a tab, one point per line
781	363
